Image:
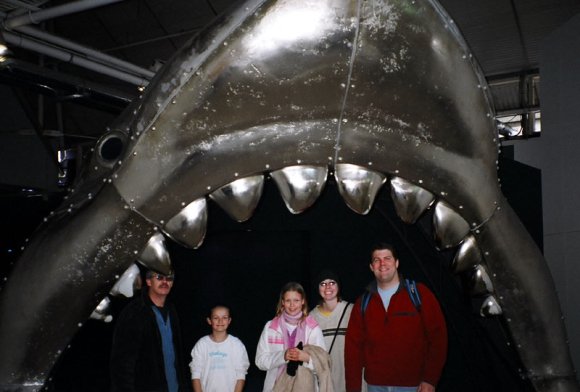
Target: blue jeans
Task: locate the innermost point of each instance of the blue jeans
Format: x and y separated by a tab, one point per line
384	388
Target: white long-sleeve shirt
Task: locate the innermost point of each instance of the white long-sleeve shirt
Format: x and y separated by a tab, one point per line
219	366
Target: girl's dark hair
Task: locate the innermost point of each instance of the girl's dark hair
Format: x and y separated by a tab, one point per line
324	275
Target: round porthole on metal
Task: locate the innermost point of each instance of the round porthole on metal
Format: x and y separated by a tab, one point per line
110	148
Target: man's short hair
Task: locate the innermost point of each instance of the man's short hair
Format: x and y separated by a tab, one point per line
383	246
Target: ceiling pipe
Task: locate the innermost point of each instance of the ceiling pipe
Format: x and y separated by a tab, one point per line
77	84
117	65
63	55
50	13
92	53
118	68
24	5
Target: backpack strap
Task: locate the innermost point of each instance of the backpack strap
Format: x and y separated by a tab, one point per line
365	301
411	287
413	293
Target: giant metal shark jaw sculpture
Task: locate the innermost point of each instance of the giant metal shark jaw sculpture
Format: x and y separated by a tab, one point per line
373	90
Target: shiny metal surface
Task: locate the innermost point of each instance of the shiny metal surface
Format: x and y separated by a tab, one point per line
128	283
102	311
490	307
300	186
388	87
358	186
189	226
468	256
410	200
450	227
240	197
155	256
480	281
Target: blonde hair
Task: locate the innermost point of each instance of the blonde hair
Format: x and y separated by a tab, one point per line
292	286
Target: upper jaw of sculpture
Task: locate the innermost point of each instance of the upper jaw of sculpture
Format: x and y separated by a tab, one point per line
373	91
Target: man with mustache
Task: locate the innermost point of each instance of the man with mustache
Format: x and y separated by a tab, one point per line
147	350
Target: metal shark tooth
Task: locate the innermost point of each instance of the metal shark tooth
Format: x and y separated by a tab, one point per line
125	286
388	86
155	255
490	307
481	283
358	186
468	255
240	198
300	185
127	283
189	226
102	311
450	227
410	200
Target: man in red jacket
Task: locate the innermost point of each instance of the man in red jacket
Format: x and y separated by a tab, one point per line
398	337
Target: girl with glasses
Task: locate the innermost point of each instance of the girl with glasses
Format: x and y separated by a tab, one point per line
332	314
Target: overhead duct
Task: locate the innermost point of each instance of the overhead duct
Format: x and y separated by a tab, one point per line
73	58
50	13
91	53
68	51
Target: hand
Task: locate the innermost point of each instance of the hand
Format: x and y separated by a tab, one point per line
295	357
289	355
294	354
425	387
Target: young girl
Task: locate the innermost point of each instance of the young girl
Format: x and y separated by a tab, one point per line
219	361
281	335
332	314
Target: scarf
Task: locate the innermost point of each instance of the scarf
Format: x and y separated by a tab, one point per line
298	335
290	339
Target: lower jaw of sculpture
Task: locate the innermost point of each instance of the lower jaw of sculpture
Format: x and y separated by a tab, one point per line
108	235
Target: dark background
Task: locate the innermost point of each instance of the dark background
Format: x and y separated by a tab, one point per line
245	264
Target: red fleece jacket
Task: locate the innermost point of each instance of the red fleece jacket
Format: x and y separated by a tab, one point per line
397	347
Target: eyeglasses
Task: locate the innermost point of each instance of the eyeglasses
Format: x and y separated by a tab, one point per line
160	277
330	283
